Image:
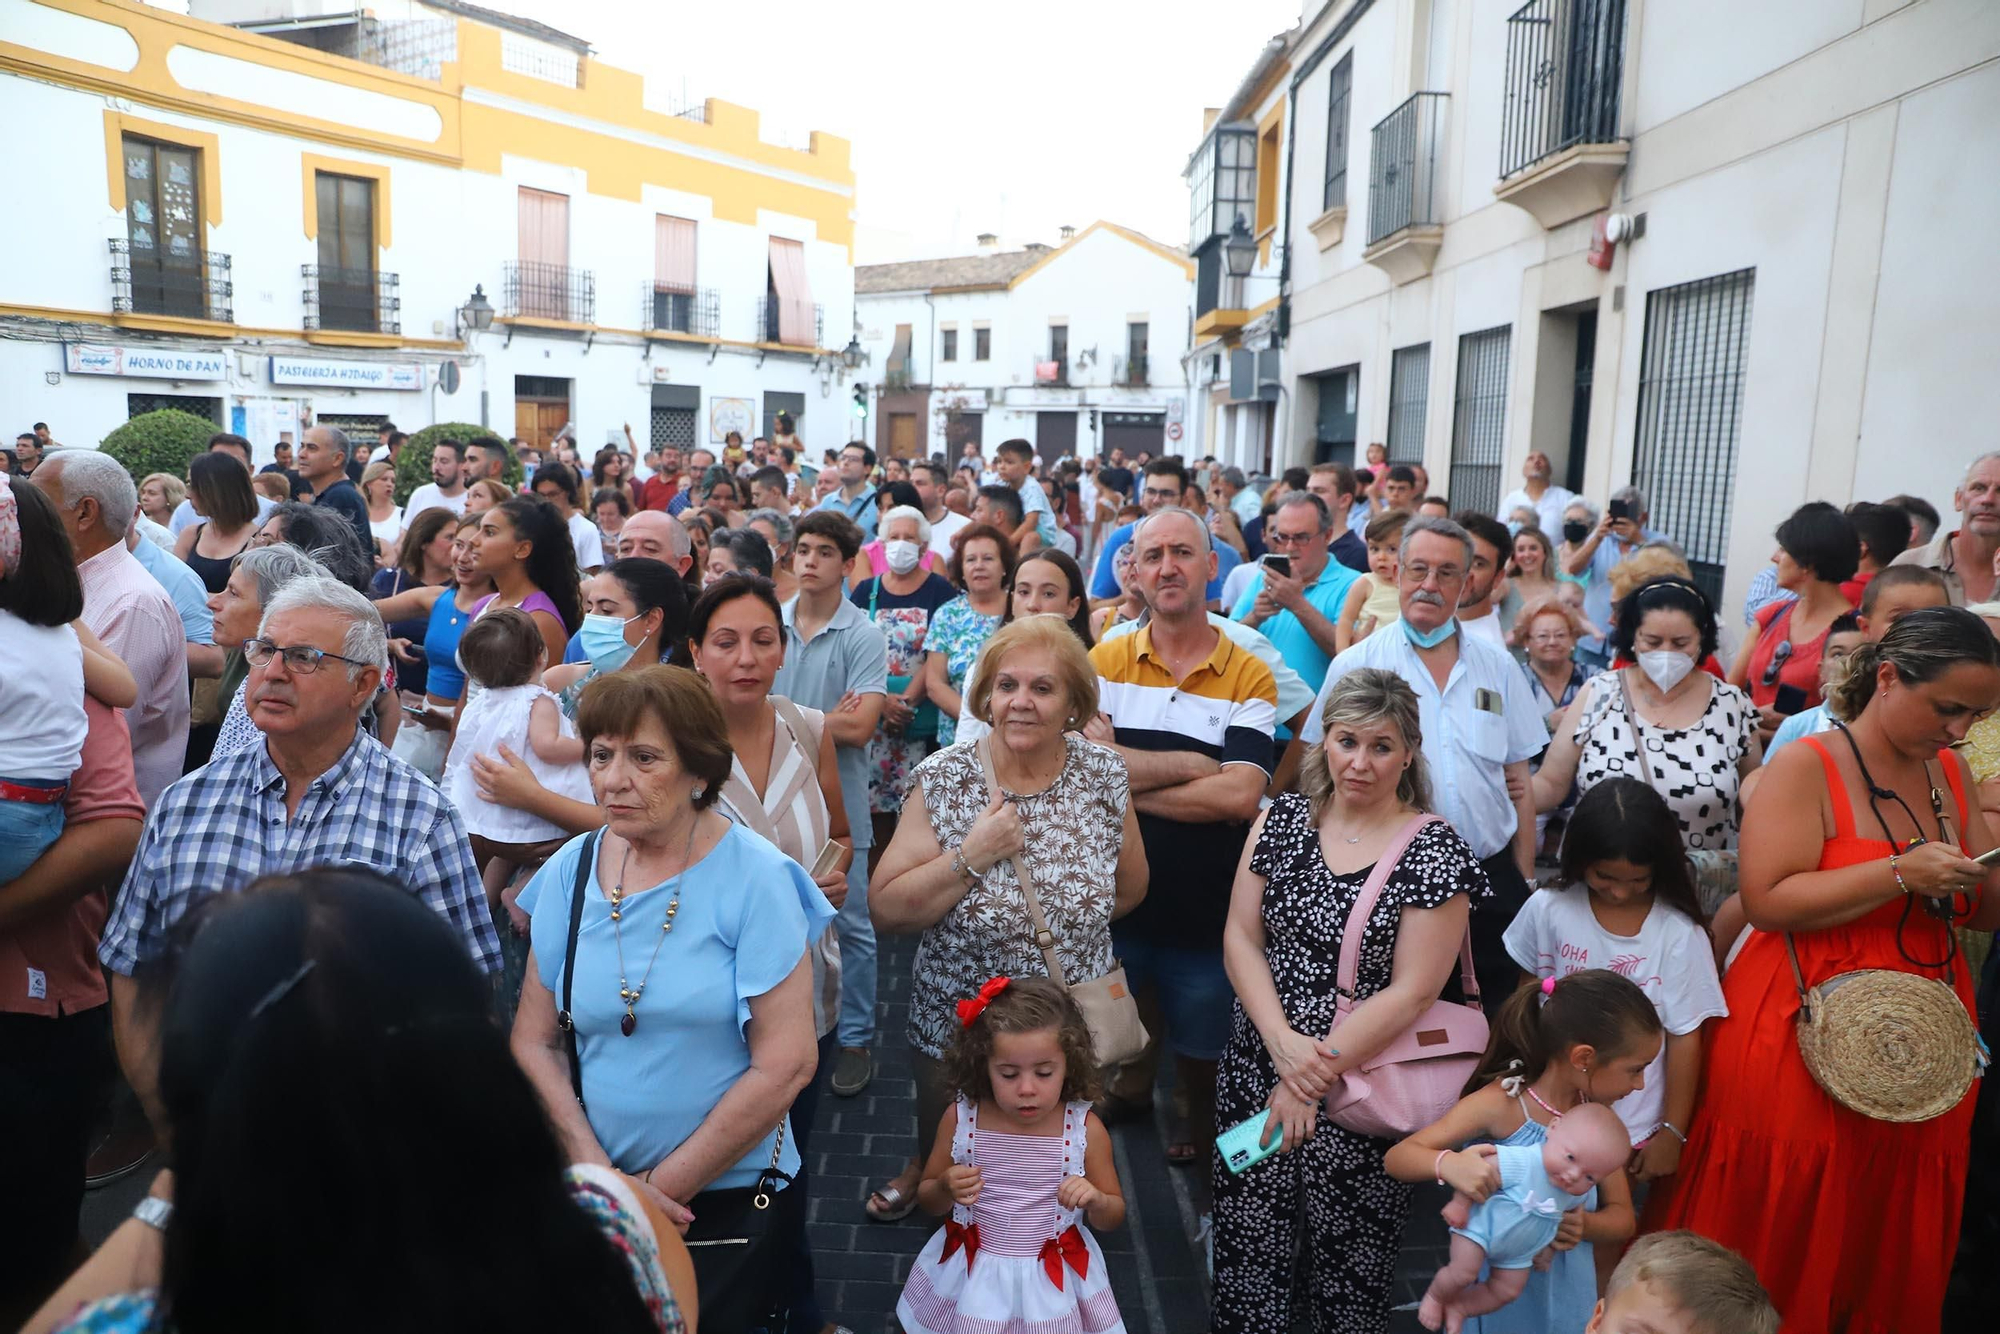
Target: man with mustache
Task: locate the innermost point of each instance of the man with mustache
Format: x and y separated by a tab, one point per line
1480	727
318	791
1964	556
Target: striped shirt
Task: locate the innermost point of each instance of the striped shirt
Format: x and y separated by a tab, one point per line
129	610
792	815
1225	708
225	825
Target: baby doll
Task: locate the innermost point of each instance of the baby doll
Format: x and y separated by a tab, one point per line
1515	1225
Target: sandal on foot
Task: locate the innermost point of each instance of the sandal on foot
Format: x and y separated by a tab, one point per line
897	1205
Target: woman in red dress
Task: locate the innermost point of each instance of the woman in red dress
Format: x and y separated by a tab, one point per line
1851	1222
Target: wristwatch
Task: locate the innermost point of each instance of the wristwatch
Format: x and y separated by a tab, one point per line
154	1212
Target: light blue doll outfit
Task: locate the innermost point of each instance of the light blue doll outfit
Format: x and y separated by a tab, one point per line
1520	1218
1559	1299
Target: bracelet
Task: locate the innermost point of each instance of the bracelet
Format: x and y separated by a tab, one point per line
1437	1168
1897	871
1673	1130
965	872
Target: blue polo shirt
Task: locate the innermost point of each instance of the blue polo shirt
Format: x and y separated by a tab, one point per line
861	509
1301	651
1104	584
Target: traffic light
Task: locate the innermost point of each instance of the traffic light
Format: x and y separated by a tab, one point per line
861	400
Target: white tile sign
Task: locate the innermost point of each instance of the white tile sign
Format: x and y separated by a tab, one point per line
347	374
154	363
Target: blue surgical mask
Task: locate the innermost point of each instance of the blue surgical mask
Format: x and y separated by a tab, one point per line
604	641
1429	638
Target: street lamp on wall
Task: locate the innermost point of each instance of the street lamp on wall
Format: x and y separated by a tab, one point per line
1239	251
852	356
476	315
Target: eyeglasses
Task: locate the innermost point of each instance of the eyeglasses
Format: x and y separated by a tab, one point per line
1422	574
1779	657
1289	539
1550	637
1155	493
301	660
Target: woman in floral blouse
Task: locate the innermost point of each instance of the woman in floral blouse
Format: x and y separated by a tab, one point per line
950	870
982	565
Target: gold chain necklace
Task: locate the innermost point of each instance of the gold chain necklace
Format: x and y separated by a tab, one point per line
627	993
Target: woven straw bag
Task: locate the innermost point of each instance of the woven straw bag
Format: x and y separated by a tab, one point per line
1890	1045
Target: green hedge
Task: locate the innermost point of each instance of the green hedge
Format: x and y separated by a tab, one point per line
163	441
413	465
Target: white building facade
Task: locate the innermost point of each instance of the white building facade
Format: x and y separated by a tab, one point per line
1705	248
1078	348
280	221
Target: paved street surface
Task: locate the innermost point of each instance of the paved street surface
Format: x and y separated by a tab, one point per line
1158	1263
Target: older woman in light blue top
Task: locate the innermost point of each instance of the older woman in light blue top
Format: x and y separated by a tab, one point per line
692	993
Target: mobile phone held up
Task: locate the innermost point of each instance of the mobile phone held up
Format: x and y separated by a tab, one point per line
1242	1145
1790	699
1621	509
1282	564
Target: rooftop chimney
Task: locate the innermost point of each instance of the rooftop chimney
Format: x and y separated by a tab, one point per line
987	240
1068	232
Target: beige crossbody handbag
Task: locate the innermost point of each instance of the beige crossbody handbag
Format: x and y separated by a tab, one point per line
1116	1033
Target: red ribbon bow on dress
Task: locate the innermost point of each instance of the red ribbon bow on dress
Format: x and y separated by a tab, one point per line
1067	1247
969	1010
958	1234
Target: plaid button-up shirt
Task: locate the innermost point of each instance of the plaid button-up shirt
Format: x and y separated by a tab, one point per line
221	827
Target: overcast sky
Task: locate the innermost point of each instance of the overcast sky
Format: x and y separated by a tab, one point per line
965	117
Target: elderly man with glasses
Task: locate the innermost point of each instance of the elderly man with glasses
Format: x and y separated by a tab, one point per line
319	791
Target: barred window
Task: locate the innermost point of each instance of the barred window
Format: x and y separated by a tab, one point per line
1479	420
1409	392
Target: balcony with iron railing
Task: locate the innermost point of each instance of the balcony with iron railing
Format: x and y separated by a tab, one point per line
1560	154
1130	370
682	310
536	291
191	284
770	325
351	300
1405	212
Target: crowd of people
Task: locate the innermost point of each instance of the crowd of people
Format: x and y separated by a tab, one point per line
1398	831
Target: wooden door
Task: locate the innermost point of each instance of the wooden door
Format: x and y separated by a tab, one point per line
902	435
538	421
527	416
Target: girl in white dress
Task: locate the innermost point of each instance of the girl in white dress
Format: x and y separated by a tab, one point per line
502	654
1021	1164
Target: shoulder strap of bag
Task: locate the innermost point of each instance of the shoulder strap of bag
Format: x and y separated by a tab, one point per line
584	862
1045	939
1638	729
1364	906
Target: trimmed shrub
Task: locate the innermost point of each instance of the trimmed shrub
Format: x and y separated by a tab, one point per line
163	441
413	465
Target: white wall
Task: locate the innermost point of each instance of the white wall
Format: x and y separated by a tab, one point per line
1845	176
450	230
1096	285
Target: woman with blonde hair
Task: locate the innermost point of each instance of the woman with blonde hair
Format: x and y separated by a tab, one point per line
1050	801
160	494
1308	859
385	516
484	494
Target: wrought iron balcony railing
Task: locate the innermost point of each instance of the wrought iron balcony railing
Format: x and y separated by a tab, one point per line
770	325
1408	144
352	300
194	284
680	310
534	290
1565	62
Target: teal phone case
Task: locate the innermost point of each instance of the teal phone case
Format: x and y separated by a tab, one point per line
1242	1145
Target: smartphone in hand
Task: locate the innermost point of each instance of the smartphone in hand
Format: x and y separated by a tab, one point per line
1282	564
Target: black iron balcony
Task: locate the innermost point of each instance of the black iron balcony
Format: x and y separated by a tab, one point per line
352	300
192	285
1565	62
1408	144
537	291
769	326
664	309
1133	372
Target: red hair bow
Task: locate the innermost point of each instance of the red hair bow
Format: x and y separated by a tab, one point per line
1068	1247
969	1010
958	1234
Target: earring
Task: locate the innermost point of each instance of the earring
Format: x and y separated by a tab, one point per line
697	792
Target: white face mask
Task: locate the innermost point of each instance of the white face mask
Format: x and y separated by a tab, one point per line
902	556
1665	668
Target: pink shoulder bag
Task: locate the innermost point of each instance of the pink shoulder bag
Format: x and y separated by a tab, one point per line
1416	1078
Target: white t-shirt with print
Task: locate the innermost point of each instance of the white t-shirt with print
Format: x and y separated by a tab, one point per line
1556	934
